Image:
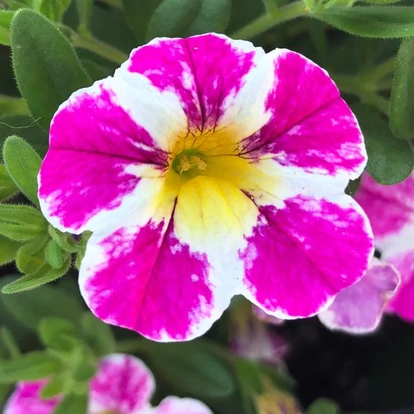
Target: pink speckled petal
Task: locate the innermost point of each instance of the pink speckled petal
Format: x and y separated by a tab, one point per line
175	405
391	213
402	302
25	399
359	308
311	127
301	255
123	384
143	278
219	81
102	141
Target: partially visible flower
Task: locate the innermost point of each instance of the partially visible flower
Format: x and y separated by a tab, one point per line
254	340
122	385
391	213
359	308
206	168
265	317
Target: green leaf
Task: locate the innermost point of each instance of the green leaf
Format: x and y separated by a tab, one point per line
29	367
58	333
84	8
55	255
323	406
244	12
172	18
138	14
64	240
57	384
10	105
21	223
9	343
43	59
5	21
374	21
98	335
8	250
28	129
249	375
52	9
389	160
30	257
193	368
30	307
23	165
83	364
402	92
95	71
72	403
7	186
44	275
213	16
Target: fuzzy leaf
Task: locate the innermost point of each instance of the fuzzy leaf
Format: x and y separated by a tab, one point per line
23	165
43	59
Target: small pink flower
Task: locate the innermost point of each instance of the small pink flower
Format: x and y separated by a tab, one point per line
391	212
359	308
206	168
123	385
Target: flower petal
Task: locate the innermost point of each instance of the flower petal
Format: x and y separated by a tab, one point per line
26	399
99	151
123	384
359	308
299	255
390	209
175	405
170	280
220	82
311	127
402	302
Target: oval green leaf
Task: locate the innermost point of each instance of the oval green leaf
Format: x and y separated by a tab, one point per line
390	160
402	92
375	21
23	165
44	60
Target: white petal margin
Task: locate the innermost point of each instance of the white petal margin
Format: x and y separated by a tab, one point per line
175	405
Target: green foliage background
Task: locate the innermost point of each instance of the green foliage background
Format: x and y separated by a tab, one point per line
51	48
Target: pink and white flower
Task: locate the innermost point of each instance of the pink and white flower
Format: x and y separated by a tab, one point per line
359	308
122	385
207	168
391	212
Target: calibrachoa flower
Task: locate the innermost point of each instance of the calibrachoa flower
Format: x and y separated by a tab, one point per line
391	212
122	385
207	168
359	308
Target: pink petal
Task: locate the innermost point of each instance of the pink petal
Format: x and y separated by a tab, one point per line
146	280
26	399
219	81
402	302
300	256
98	152
359	308
391	213
311	127
123	384
174	405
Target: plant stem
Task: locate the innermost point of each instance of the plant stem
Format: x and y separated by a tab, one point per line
270	5
269	20
377	101
94	45
9	105
381	71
